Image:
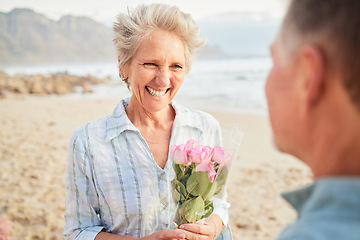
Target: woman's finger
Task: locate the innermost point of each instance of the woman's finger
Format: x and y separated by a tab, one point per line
169	234
202	229
197	231
195	236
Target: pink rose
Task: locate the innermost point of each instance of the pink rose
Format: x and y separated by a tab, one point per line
220	156
192	143
178	154
200	154
207	167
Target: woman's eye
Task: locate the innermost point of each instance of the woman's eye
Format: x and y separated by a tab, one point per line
150	64
177	66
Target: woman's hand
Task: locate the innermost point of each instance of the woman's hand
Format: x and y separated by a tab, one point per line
208	229
166	234
198	231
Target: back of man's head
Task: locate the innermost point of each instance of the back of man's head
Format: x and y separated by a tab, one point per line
334	26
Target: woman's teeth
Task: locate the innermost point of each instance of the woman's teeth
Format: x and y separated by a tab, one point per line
156	93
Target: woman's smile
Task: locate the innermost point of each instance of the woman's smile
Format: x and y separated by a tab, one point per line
156	93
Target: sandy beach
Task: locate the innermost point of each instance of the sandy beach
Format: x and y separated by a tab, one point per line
34	136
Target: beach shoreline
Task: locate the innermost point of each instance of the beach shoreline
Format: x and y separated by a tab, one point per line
34	136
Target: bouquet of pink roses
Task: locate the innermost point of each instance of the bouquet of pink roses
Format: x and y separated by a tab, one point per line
200	173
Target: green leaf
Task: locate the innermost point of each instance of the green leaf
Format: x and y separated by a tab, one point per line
221	179
182	191
198	184
175	192
179	191
191	184
209	208
193	208
179	171
193	168
211	191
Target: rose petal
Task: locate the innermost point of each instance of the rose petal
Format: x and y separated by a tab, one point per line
202	167
192	143
179	154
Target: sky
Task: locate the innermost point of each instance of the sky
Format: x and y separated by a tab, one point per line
106	10
238	27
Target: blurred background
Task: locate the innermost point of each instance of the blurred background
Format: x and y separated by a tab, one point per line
75	38
58	71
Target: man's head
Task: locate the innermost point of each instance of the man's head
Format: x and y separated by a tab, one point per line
333	26
316	72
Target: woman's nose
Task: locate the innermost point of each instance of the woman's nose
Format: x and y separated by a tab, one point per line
163	78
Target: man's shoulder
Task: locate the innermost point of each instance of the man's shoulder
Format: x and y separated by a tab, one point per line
322	228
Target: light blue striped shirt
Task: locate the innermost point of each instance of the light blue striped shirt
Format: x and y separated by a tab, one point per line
113	183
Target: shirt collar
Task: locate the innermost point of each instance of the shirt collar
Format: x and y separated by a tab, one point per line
185	117
118	121
299	197
335	193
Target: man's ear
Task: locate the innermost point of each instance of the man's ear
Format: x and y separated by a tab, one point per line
312	83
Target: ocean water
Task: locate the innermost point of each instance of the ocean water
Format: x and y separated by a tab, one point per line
222	84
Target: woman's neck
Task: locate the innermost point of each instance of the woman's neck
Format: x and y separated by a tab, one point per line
141	118
155	128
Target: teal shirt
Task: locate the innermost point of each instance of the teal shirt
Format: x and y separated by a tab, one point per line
329	209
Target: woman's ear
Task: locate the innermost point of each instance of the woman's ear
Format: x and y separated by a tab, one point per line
312	81
122	70
122	73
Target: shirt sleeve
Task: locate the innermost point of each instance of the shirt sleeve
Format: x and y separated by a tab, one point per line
81	201
221	206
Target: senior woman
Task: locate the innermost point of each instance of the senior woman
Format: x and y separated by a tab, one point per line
118	176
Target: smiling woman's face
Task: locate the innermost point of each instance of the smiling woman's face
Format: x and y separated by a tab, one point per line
156	71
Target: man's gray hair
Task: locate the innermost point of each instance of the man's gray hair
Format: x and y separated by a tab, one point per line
334	27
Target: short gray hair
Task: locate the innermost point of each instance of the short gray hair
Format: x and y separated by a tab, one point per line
133	27
334	27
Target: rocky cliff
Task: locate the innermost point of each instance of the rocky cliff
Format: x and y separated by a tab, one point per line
27	37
